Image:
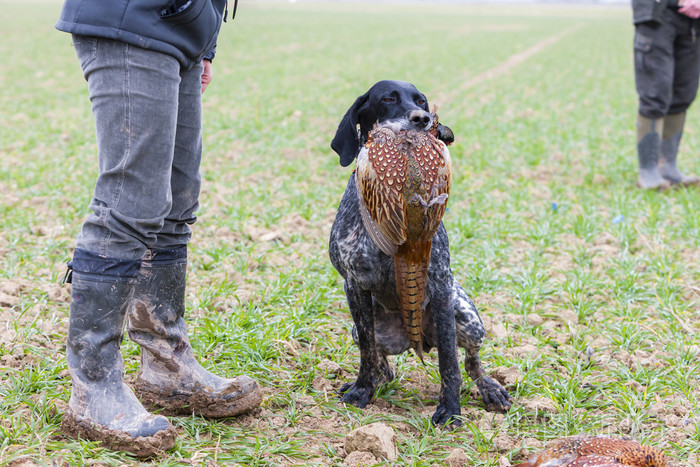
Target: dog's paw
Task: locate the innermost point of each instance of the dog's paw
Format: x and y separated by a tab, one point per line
495	397
445	416
359	396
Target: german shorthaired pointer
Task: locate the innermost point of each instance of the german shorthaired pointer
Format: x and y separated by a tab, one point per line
450	318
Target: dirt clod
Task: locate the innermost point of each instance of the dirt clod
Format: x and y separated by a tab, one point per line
360	459
376	438
540	404
457	458
508	377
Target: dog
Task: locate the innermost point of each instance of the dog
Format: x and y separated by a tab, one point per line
450	318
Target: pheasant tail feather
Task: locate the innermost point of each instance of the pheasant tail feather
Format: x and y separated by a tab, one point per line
411	277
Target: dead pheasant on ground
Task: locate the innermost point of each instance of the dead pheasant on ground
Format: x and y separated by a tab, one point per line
597	451
403	180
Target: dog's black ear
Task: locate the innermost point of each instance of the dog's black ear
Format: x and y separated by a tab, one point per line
444	134
346	141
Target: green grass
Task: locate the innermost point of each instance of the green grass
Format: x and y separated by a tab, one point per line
598	314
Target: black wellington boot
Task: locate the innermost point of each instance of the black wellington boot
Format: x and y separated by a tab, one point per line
673	130
170	377
648	152
102	407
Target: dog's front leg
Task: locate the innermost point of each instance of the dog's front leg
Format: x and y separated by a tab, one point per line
450	375
361	392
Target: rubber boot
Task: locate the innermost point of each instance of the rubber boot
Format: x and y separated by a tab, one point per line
673	131
170	376
101	406
648	152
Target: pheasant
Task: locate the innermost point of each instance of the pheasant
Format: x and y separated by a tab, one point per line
598	451
403	179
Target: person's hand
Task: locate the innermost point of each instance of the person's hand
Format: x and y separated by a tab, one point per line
690	8
208	74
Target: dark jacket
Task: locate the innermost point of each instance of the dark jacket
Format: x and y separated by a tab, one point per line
185	29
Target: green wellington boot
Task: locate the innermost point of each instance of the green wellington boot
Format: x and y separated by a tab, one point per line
170	377
648	152
673	130
102	407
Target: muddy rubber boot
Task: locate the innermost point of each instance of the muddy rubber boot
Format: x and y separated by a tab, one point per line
673	131
101	407
648	152
170	377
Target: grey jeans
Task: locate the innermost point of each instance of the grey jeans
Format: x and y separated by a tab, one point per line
148	121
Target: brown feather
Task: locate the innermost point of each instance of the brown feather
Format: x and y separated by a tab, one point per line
597	451
403	180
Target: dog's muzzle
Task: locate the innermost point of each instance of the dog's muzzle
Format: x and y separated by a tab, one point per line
419	120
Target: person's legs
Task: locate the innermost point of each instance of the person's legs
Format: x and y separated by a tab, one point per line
671	140
134	97
685	87
654	68
185	178
686	55
648	152
170	376
101	406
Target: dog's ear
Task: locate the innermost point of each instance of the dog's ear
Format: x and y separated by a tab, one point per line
346	141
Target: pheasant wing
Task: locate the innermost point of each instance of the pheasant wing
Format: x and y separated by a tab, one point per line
436	172
380	176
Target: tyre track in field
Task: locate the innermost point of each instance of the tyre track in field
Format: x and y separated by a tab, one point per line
504	67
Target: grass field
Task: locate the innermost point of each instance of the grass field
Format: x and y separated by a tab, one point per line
588	287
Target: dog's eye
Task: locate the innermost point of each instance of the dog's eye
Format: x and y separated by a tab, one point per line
389	100
420	101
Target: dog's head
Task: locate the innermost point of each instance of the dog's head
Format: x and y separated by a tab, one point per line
387	101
